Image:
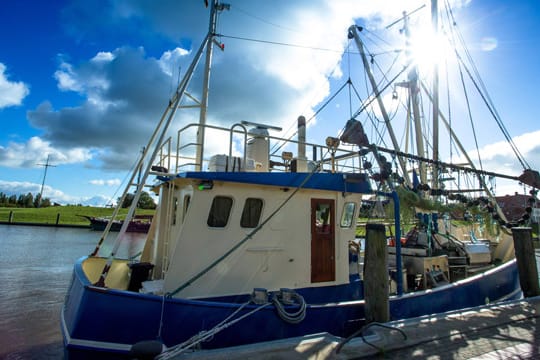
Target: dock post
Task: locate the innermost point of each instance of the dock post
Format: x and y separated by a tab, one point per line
526	261
376	275
57	218
10	220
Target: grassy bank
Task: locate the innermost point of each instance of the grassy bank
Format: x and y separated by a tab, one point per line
66	215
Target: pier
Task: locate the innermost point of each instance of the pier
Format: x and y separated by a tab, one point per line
498	331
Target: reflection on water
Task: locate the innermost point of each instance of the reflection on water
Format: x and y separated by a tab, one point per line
36	265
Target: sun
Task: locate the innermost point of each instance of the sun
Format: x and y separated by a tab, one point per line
428	49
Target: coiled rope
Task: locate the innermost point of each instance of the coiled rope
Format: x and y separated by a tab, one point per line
292	317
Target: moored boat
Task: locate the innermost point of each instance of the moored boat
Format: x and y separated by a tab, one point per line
139	223
247	248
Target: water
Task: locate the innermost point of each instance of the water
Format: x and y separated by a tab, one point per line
35	269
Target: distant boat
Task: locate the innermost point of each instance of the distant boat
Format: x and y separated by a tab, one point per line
255	250
139	223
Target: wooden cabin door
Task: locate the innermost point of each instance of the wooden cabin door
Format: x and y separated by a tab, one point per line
323	263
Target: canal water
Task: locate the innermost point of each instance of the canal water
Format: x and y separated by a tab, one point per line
35	269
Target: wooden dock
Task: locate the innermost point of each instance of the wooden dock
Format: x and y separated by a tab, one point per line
496	331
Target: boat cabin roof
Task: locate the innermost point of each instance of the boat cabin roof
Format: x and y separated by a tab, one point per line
344	182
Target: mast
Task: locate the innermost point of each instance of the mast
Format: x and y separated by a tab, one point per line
353	31
46	166
215	7
414	90
435	24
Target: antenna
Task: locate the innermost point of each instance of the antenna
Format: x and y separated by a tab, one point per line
261	126
46	165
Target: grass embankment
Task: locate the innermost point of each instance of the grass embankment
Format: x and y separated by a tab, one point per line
66	215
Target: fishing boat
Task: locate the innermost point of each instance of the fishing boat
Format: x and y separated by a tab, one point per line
139	223
254	247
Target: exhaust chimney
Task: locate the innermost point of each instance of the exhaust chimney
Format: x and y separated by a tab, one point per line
301	162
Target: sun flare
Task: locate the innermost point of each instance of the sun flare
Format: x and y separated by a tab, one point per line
428	49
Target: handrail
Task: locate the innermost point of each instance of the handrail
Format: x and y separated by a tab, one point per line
184	145
245	142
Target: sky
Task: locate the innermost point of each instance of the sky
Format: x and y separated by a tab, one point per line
84	83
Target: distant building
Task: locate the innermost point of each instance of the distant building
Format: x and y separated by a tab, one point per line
513	206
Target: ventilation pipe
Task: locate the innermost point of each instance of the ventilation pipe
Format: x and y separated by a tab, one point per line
301	162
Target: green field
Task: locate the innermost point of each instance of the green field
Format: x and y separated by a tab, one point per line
66	215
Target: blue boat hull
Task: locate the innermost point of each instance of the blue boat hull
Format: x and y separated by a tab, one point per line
109	321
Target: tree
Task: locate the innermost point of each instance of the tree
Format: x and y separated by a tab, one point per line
46	202
28	200
37	200
127	200
145	201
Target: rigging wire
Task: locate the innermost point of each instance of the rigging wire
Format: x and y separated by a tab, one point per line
371	99
470	115
482	90
279	146
279	43
283	143
236	7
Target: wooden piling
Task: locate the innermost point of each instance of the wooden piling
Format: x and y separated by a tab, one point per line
376	275
526	261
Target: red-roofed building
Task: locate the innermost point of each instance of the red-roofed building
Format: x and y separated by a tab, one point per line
513	206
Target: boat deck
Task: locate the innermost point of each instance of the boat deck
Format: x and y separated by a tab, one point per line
497	331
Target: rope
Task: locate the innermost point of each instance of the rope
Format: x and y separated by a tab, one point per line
278	301
294	317
361	333
161	316
204	335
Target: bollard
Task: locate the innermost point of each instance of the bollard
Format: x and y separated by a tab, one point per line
376	275
57	218
526	261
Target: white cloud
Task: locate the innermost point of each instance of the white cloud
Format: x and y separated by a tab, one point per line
502	157
55	195
67	80
35	150
16	188
170	59
103	56
11	93
105	182
488	44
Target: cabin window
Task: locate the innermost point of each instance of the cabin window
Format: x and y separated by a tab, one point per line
323	222
175	209
347	216
220	211
251	213
187	199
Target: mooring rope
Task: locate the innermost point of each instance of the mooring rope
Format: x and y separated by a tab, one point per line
204	335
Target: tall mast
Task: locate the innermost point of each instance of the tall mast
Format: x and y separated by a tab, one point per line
413	88
215	7
435	24
354	33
